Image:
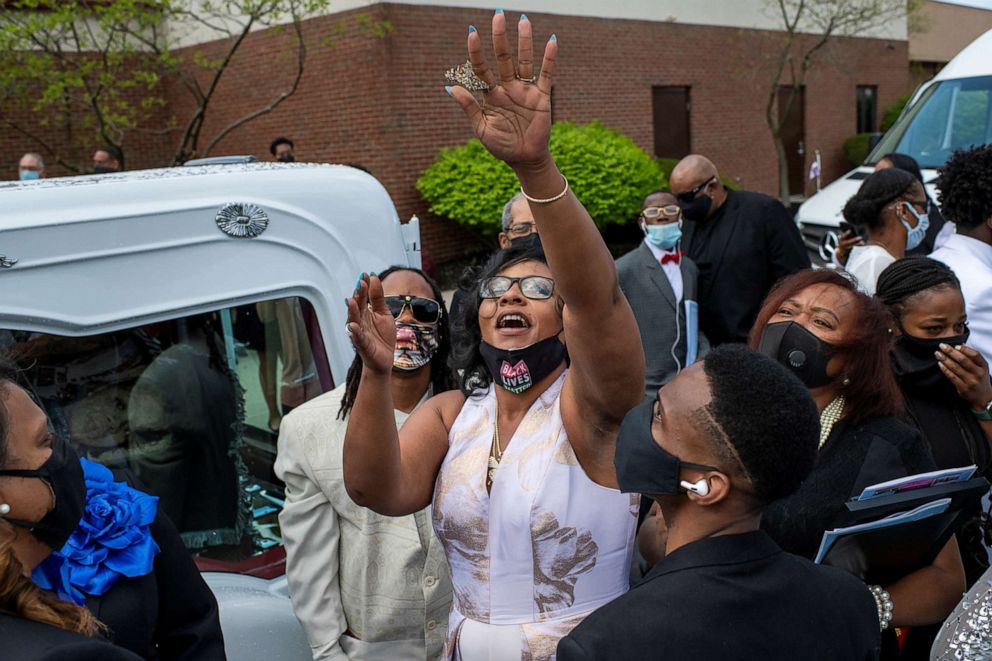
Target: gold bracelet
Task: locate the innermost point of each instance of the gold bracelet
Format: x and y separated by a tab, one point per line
534	200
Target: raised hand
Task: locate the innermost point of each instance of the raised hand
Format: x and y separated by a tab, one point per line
514	119
371	325
968	371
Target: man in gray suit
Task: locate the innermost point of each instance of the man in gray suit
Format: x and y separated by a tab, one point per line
660	284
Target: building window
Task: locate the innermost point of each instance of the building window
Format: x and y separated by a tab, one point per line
867	105
670	108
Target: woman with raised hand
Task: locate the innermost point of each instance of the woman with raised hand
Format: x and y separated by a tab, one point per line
519	462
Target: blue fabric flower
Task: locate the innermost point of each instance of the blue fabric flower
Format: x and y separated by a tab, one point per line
112	540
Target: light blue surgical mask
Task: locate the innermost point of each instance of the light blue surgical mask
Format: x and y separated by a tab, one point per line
914	235
663	236
30	175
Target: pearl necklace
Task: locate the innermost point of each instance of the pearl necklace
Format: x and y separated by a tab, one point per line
831	414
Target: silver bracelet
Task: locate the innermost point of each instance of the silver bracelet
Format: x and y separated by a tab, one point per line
549	200
884	604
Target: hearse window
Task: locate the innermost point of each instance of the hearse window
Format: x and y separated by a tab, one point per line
189	409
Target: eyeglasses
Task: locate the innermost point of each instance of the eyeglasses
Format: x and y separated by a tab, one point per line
522	229
424	310
535	287
672	211
690	195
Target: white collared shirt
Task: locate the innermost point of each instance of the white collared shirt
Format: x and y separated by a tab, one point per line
673	270
971	261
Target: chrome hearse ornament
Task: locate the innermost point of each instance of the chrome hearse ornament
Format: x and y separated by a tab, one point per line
242	220
829	245
6	263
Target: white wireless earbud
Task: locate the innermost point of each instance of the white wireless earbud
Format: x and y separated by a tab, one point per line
702	487
4	509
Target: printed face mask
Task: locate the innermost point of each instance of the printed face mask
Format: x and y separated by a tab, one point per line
64	475
802	352
517	370
415	346
915	235
642	465
663	236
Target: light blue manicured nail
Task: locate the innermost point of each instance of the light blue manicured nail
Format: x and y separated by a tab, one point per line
554	37
499	11
471	29
358	283
447	88
523	17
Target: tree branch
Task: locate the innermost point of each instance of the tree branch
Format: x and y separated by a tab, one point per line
44	145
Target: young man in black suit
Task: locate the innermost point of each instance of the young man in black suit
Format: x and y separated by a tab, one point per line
723	439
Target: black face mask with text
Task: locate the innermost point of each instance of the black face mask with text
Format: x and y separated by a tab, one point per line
63	474
802	352
517	370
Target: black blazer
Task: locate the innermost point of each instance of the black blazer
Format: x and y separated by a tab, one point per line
169	614
25	640
733	598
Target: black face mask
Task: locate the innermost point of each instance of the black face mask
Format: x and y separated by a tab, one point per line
64	475
102	169
642	465
532	240
698	208
287	158
517	370
802	352
914	360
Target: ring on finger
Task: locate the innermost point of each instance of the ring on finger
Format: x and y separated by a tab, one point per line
529	81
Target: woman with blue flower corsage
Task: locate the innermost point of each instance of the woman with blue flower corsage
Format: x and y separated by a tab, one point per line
104	565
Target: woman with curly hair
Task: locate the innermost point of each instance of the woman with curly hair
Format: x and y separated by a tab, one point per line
893	206
76	546
519	463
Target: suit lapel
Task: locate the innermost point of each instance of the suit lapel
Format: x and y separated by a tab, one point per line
656	275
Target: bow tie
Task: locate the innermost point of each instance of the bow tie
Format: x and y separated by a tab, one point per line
672	257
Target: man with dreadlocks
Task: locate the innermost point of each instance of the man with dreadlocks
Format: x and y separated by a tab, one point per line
367	586
944	382
965	185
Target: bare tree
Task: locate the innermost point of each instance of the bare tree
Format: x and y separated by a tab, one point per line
808	26
96	69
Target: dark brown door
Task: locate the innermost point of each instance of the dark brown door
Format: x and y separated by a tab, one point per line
670	105
791	119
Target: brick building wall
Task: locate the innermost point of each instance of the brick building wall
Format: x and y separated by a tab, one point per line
379	101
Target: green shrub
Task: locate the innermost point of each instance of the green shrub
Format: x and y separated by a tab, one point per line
892	112
856	148
608	172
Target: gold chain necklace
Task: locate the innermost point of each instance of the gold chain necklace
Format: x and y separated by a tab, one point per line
495	455
832	412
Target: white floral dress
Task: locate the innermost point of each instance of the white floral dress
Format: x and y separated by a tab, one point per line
547	547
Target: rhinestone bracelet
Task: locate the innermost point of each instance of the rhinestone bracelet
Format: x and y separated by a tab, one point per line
550	199
884	604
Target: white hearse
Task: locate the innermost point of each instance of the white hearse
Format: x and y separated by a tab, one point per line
168	317
951	111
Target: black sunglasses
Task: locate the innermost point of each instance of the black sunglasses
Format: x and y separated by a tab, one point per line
424	310
535	287
690	195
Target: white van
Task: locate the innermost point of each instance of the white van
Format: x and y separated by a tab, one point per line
164	317
952	111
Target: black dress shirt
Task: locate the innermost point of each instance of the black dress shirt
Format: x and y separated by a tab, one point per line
729	598
748	245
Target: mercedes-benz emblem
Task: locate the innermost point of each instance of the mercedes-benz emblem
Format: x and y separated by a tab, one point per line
829	244
242	220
